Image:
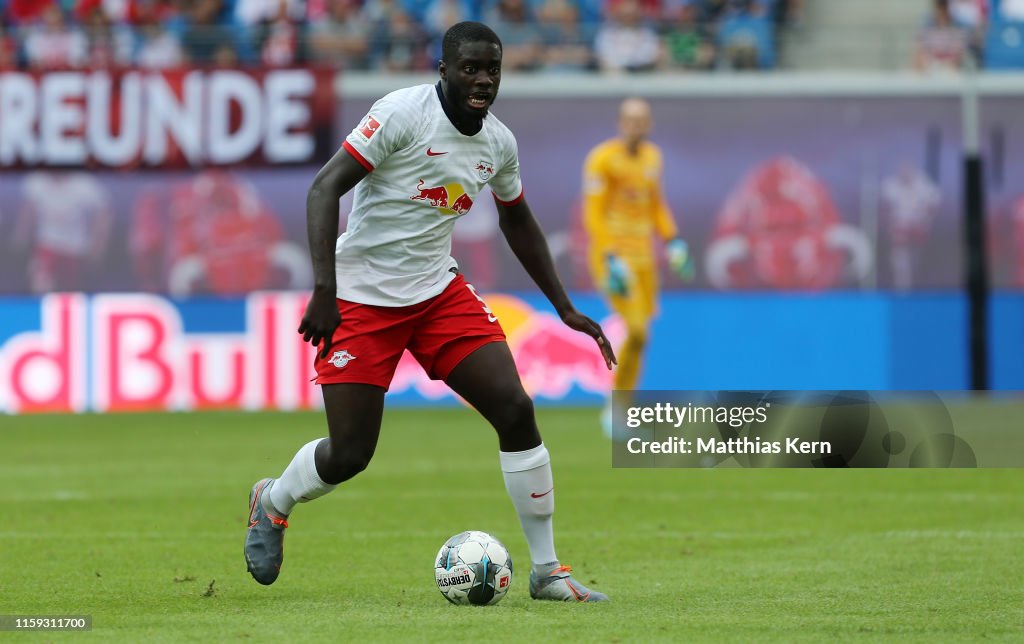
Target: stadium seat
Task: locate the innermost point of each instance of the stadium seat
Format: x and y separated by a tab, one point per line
1004	45
739	29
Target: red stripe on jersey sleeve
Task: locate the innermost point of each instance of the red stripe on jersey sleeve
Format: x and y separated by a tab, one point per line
358	157
513	202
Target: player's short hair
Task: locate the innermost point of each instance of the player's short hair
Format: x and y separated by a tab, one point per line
463	32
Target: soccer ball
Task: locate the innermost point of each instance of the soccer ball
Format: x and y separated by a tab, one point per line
473	568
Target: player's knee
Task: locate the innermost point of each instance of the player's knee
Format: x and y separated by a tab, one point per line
518	412
515	423
342	464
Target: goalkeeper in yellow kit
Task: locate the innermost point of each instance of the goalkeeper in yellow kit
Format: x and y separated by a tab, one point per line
623	207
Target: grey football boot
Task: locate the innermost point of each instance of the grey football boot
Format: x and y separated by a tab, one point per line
555	582
264	540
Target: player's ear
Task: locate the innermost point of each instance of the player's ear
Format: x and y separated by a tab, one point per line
442	69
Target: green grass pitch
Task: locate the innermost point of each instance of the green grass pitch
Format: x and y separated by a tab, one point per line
139	521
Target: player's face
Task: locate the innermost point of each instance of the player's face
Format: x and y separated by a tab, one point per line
472	79
635	120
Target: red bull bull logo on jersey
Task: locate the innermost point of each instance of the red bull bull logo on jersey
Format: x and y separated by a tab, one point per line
436	196
450	199
462	205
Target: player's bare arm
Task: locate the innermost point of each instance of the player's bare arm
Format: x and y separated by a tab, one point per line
526	239
338	176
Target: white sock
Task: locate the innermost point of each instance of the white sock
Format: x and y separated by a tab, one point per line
528	481
299	482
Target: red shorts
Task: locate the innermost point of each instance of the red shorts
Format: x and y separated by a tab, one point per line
439	333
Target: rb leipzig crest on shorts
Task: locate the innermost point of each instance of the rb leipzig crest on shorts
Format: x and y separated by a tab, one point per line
341	358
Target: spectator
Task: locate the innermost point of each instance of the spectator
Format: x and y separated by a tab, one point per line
401	45
713	10
205	39
279	38
169	13
8	50
224	55
650	10
520	38
744	35
625	43
972	14
108	45
25	12
158	48
252	13
942	43
591	12
568	43
688	45
418	9
789	12
565	35
53	44
378	12
316	10
114	11
671	9
442	14
341	37
158	45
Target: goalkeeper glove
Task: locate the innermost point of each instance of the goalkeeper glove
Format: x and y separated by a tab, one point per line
618	276
679	260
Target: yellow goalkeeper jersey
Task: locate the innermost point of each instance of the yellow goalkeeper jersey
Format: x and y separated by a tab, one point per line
623	204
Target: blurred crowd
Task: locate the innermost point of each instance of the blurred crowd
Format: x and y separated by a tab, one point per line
988	33
390	35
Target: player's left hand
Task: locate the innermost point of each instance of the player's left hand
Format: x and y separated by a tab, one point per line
679	260
583	324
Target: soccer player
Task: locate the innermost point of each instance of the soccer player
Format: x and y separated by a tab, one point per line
70	216
911	201
416	161
623	206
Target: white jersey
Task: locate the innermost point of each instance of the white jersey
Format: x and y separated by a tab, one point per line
396	250
66	207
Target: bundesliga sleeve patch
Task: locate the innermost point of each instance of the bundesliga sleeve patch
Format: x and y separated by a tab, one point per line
368	127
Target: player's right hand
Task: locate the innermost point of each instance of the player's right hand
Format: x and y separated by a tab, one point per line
320	320
618	276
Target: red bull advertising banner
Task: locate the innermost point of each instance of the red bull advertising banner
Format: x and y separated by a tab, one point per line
134	351
71	352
